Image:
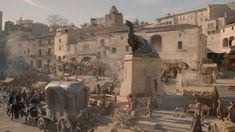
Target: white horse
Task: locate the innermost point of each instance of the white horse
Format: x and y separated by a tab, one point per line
4	97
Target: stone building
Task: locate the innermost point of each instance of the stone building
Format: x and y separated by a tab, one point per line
64	42
97	22
9	27
110	45
227	42
0	22
114	18
180	44
40	51
36	52
173	44
40	29
210	19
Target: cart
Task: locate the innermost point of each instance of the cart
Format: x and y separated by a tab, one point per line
65	101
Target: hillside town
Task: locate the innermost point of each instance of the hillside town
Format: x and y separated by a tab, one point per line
176	74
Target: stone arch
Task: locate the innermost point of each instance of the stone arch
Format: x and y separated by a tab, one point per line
225	42
156	40
231	40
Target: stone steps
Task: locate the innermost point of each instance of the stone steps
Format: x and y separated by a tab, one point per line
171	102
163	121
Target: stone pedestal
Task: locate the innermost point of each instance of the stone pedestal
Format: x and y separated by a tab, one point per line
141	75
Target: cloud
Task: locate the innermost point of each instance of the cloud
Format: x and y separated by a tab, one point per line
37	5
130	17
149	1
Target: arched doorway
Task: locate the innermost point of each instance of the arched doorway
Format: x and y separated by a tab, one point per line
59	58
156	40
225	42
231	40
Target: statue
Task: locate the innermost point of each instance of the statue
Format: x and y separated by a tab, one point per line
140	46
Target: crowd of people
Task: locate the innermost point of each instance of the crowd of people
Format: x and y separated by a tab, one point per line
194	93
21	98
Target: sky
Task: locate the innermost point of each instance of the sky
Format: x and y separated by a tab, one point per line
80	11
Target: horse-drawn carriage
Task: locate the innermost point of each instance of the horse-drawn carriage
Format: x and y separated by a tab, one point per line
67	103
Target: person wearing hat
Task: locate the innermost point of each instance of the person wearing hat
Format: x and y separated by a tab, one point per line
196	123
220	111
230	108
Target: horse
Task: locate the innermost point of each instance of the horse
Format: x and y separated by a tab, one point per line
16	109
203	108
33	113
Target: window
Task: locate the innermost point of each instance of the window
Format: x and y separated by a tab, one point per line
31	62
2	54
40	52
180	45
102	42
59	48
59	40
49	51
232	28
121	38
211	25
49	41
127	48
104	53
39	63
223	30
28	50
40	42
99	55
114	50
180	34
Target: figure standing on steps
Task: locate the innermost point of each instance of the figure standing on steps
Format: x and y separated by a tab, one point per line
220	111
196	124
149	107
140	46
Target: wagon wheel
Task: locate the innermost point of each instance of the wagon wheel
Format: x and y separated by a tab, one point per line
63	125
41	124
118	122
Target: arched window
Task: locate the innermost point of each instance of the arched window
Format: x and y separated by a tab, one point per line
59	58
225	42
156	40
231	40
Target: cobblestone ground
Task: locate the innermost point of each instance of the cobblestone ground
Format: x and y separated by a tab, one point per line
7	125
164	119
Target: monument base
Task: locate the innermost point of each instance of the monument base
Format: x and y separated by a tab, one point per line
142	75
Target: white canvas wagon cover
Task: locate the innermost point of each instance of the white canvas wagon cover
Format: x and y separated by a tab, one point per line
58	92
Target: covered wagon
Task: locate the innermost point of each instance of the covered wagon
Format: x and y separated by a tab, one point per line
65	100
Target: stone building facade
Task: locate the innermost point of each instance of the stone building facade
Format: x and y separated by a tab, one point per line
31	53
210	19
227	42
173	44
0	22
114	18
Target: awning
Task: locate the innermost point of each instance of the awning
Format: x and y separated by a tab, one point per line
39	84
7	80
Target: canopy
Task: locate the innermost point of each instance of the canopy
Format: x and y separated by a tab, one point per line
62	94
39	84
7	80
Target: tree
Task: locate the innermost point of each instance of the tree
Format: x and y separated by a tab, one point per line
56	21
